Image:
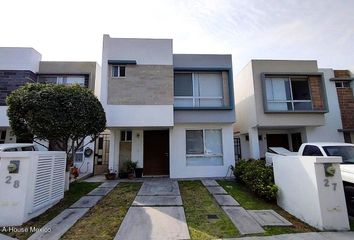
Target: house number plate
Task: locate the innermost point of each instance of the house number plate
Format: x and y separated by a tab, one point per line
15	184
330	185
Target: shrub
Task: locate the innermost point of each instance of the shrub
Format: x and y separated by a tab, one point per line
257	177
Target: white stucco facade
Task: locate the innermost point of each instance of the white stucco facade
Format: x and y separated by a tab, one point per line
16	58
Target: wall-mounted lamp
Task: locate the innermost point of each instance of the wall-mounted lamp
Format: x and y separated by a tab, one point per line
138	135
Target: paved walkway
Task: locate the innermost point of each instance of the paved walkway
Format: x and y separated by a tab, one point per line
305	236
156	213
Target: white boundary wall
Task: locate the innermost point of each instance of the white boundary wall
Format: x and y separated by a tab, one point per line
305	191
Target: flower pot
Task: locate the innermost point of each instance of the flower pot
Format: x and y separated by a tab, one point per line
131	175
138	172
110	176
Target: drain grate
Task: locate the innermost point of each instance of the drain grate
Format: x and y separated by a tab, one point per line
212	216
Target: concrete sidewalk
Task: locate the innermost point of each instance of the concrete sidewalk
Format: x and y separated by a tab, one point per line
304	236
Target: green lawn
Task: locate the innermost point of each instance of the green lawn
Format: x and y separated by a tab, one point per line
198	203
249	201
351	225
104	219
76	191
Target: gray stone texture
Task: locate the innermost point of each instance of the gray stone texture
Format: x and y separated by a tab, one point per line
152	83
210	183
60	224
109	184
143	223
4	237
86	202
163	187
226	200
157	201
100	191
216	190
10	80
269	218
305	236
243	220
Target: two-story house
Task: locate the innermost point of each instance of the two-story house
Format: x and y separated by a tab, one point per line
283	103
19	66
172	113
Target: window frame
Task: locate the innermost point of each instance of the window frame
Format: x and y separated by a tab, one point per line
265	75
119	69
125	132
205	154
342	84
196	99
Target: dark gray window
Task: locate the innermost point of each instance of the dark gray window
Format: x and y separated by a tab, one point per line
126	136
118	71
183	84
342	84
194	140
311	150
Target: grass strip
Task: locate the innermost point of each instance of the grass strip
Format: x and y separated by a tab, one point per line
198	204
248	200
103	220
76	191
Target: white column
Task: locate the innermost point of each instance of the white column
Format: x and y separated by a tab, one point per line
114	150
254	142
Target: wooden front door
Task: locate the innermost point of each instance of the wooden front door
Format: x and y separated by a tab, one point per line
278	140
156	152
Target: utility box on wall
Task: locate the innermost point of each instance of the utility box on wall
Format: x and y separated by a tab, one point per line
311	189
31	182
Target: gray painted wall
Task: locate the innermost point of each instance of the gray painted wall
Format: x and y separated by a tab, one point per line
202	61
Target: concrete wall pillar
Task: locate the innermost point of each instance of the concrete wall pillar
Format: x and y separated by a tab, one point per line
114	150
254	142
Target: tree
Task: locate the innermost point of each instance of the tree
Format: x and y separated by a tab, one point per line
64	115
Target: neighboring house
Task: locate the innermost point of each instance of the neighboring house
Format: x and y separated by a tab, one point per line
172	113
19	66
287	102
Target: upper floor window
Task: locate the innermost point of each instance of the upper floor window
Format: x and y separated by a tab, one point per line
118	71
63	79
198	89
342	84
288	94
126	136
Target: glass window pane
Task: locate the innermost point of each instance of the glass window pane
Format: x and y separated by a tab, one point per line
70	80
269	89
122	136
300	89
272	106
303	106
194	142
204	161
211	102
183	84
183	102
122	71
210	84
79	157
213	142
346	84
114	71
129	135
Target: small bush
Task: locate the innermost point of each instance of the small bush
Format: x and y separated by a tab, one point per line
258	177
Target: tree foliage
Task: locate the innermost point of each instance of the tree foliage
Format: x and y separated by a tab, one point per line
56	113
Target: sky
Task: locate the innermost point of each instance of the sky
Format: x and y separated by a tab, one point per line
72	30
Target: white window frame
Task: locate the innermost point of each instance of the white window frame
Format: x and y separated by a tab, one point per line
342	84
119	76
125	136
292	101
195	98
205	154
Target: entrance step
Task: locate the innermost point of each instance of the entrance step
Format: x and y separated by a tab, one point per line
60	224
159	187
157	201
243	221
269	218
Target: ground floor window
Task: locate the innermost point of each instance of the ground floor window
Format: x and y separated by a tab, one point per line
2	136
204	147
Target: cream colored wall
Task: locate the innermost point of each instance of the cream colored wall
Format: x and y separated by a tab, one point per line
70	68
244	100
282	119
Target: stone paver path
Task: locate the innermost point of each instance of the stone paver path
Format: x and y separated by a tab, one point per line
155	214
242	220
304	236
269	218
4	237
65	220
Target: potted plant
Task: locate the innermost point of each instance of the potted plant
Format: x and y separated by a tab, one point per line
110	174
131	166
